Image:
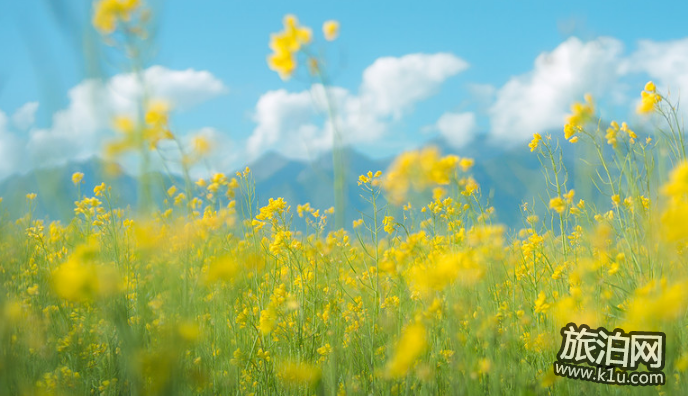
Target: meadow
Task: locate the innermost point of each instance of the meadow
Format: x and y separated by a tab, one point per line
212	293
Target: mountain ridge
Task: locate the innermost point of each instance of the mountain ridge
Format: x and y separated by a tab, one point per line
505	177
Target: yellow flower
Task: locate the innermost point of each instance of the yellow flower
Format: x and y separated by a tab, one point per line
675	217
466	163
569	131
558	204
650	87
123	124
188	331
534	143
418	170
156	113
677	187
267	321
616	199
541	305
324	350
298	374
648	102
285	44
33	290
200	144
77	177
388	223
612	133
484	366
569	195
107	12
299	35
649	309
331	30
283	62
581	113
631	134
223	269
409	348
81	278
98	190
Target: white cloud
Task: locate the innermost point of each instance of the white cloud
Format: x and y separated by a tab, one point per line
297	125
393	85
457	128
664	62
285	118
540	99
183	88
11	148
79	131
25	116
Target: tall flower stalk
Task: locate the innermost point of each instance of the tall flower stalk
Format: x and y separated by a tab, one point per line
286	45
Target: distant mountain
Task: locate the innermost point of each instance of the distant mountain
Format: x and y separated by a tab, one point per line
507	177
55	191
300	182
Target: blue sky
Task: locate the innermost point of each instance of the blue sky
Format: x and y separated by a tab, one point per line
48	50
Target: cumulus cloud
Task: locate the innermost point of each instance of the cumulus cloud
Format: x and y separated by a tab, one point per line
286	116
182	88
25	116
11	158
539	100
664	62
79	131
393	85
297	125
457	128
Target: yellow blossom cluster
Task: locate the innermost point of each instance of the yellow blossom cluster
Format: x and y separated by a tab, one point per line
581	113
649	99
418	170
146	136
110	12
286	44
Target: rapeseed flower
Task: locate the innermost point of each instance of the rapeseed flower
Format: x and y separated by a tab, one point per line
558	204
331	30
537	138
409	348
107	13
77	177
82	278
286	44
649	99
299	374
418	170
